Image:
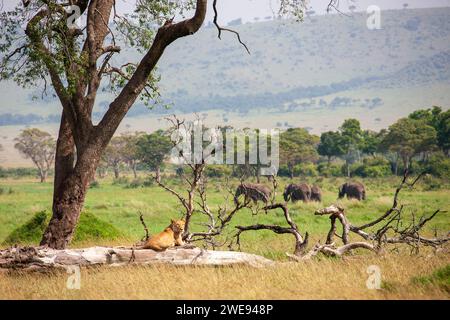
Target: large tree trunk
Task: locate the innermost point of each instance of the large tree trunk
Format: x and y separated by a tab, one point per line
71	184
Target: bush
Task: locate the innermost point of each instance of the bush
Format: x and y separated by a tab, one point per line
148	182
94	184
121	180
18	172
89	228
136	183
179	171
305	170
375	167
331	170
283	171
6	190
439	166
440	277
218	171
431	182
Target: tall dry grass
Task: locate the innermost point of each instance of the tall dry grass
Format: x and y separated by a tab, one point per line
315	279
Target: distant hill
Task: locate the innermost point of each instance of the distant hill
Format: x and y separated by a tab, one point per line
292	66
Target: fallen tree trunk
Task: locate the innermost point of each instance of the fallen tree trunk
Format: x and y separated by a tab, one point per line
31	258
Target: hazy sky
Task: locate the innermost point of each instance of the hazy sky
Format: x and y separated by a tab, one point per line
249	9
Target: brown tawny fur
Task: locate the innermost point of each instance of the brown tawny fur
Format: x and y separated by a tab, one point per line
170	237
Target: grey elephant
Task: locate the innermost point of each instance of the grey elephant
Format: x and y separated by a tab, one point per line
297	192
353	190
253	191
316	194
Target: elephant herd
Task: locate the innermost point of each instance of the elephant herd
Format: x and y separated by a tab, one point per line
297	192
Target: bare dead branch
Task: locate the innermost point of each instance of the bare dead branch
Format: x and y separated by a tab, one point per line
220	29
147	235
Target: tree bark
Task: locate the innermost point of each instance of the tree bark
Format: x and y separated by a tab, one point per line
43	259
71	182
158	174
116	172
291	171
43	175
70	189
133	167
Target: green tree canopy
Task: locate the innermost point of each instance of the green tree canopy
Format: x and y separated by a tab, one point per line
153	149
440	121
331	145
39	146
409	137
297	145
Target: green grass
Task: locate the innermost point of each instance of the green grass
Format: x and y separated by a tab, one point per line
119	206
89	229
440	277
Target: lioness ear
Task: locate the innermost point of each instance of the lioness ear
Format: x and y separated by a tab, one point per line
172	221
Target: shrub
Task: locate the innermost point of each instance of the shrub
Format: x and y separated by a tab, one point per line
88	228
440	277
331	170
375	167
94	184
148	182
306	170
136	183
6	190
283	171
18	172
179	171
431	182
439	166
218	171
121	180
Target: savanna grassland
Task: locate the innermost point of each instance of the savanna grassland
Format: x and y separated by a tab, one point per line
423	275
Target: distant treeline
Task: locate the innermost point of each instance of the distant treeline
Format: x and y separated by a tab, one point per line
8	119
18	172
182	102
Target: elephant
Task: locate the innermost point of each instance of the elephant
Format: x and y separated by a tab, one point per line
296	192
316	194
253	191
353	190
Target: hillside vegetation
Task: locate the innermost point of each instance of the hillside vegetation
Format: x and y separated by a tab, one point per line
292	66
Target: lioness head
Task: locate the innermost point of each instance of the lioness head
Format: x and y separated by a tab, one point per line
177	225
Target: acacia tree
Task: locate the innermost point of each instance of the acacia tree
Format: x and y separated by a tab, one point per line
296	146
113	156
39	146
408	138
39	47
330	145
352	139
130	150
153	149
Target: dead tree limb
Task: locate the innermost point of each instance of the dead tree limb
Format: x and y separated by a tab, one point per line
29	258
300	242
147	235
332	251
409	235
220	29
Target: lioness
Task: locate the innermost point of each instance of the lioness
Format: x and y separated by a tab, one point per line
170	237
